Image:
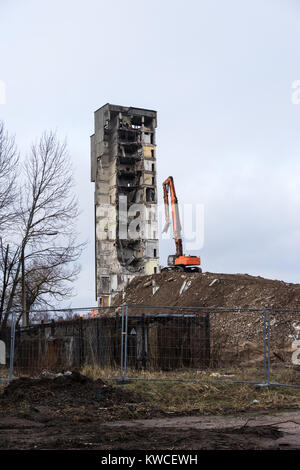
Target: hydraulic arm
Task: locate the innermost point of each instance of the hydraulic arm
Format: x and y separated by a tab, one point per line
178	261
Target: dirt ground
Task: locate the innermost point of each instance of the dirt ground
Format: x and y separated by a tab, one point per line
62	434
76	412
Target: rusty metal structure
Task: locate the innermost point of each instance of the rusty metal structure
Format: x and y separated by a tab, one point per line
159	341
123	168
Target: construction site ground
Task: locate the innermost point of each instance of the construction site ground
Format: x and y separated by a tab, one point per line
78	412
86	411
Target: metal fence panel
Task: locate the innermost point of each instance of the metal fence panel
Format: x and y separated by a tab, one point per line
166	341
283	351
57	346
260	346
183	342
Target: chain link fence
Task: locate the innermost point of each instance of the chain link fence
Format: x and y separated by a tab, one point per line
283	347
132	342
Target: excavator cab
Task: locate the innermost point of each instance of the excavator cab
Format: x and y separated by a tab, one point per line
183	263
171	260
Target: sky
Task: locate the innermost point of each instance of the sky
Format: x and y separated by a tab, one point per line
222	76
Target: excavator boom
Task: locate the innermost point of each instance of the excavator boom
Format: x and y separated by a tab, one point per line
169	183
179	260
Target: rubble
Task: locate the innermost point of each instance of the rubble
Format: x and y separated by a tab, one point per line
185	285
229	290
237	331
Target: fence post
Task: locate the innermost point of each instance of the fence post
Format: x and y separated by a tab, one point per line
12	347
265	345
81	341
126	336
207	338
122	334
269	351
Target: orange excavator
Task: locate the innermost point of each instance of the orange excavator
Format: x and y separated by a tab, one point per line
179	261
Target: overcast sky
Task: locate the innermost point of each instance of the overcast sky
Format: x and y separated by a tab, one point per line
219	73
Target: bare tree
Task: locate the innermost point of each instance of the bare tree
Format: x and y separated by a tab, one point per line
47	251
9	159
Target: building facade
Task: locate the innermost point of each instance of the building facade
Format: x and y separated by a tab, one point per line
123	168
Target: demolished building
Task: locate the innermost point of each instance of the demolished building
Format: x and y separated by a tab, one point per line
123	168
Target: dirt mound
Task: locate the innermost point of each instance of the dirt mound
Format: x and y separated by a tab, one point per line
210	290
231	332
72	390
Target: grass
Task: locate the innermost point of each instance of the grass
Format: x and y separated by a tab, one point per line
4	376
214	397
248	374
201	392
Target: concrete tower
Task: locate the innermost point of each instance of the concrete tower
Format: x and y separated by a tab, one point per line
123	168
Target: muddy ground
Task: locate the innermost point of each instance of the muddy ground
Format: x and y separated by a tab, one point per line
76	412
65	434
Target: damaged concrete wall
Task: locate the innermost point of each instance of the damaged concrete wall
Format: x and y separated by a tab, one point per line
123	168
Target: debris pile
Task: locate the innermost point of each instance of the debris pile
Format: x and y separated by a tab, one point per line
210	290
71	390
240	333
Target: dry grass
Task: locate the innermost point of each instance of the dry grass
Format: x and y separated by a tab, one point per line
4	376
201	392
253	374
214	397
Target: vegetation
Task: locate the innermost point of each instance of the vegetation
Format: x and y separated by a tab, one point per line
38	213
187	392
